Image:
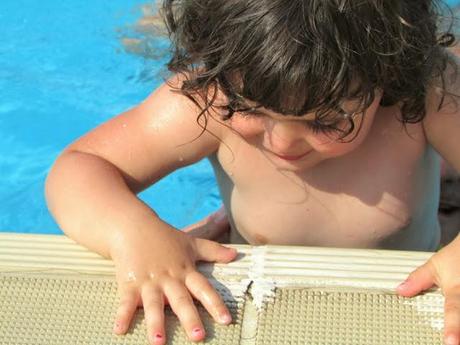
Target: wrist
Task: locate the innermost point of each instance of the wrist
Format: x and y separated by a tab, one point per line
135	231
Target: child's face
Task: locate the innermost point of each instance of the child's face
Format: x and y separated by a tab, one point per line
292	143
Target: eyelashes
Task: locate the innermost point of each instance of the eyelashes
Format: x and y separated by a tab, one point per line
344	123
318	128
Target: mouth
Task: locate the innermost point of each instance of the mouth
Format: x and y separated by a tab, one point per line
292	157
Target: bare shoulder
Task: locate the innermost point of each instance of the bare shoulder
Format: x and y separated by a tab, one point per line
158	136
170	110
442	121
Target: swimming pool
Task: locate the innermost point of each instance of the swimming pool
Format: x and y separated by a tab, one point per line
63	72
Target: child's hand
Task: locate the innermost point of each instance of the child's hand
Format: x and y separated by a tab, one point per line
443	270
158	267
214	227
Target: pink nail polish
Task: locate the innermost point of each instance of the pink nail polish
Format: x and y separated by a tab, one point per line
158	338
197	332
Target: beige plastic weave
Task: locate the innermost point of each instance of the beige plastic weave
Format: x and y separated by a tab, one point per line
322	316
53	291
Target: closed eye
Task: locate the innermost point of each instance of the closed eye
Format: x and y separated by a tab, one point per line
342	119
251	113
316	127
343	123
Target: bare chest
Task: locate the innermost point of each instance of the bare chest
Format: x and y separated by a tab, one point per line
383	194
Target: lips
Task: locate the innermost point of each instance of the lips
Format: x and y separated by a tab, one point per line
292	157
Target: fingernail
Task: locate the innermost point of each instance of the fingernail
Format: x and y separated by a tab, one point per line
225	318
402	285
197	332
117	327
158	338
229	248
451	340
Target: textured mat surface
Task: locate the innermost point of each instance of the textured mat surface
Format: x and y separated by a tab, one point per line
320	317
46	310
53	291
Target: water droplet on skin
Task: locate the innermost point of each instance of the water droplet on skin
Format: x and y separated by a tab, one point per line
131	277
124	125
181	159
154	127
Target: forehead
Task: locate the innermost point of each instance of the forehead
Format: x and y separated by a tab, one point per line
278	116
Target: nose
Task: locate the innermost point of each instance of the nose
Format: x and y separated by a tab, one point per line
288	137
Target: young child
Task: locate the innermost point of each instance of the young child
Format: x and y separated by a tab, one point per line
323	120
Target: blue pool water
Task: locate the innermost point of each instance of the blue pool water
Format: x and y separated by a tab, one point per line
62	72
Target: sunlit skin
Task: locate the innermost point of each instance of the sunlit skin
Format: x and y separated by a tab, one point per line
281	183
292	142
326	173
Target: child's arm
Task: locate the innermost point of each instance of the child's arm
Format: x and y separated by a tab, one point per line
442	129
91	191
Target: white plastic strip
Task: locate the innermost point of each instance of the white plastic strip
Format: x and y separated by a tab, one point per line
263	268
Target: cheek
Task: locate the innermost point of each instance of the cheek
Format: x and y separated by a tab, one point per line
329	147
332	146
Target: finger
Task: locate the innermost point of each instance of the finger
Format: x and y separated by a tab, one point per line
203	291
214	252
197	227
182	305
220	226
211	228
152	299
452	317
129	299
220	216
419	280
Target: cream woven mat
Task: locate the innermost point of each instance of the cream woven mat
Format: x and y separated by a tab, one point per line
53	291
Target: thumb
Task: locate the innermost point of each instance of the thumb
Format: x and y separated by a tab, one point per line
419	280
214	252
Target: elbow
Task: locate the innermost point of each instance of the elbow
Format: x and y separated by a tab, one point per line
54	181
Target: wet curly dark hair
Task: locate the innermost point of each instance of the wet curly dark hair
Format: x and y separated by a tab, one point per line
300	56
